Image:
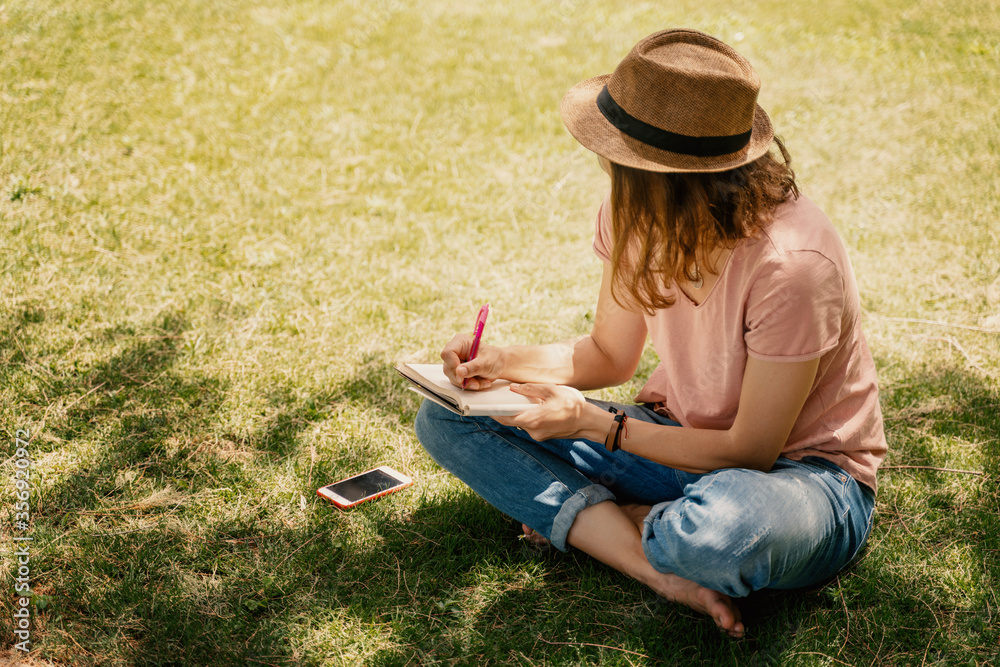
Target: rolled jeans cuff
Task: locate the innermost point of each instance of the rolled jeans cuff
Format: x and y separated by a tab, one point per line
579	501
648	540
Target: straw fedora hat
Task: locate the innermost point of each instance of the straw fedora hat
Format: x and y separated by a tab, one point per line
680	101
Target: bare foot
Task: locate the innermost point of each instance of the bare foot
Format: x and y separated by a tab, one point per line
717	605
535	538
612	534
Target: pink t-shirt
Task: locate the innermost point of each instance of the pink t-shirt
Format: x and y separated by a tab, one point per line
787	295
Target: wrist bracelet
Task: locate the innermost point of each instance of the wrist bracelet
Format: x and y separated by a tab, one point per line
618	432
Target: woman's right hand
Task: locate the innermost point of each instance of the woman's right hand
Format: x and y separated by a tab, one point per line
480	372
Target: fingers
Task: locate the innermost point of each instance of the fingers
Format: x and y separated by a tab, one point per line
473	368
476	374
536	424
457	349
453	355
475	383
539	391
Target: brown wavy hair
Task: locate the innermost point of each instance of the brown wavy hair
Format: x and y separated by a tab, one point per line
665	223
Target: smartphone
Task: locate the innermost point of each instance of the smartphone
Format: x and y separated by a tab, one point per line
366	486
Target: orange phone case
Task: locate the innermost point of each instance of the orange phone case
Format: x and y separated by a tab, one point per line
343	503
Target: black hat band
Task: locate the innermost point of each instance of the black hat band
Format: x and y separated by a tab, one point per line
665	140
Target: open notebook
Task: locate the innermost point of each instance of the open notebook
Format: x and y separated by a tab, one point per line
429	381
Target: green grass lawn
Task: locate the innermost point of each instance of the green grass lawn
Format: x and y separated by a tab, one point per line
222	222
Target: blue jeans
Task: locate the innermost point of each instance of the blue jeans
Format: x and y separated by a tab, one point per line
732	530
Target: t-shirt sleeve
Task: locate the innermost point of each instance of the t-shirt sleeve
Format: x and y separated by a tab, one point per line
795	308
602	231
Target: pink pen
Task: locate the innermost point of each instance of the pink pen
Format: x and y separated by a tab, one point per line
477	336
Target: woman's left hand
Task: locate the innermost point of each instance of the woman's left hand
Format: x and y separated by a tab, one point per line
562	412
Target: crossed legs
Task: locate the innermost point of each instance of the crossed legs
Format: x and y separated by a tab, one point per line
698	540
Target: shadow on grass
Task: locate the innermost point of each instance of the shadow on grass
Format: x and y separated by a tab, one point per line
571	610
934	573
373	390
155	550
106	546
224	572
456	586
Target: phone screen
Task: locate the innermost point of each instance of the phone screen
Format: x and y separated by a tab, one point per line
364	485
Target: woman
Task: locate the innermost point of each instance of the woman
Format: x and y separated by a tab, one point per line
749	461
